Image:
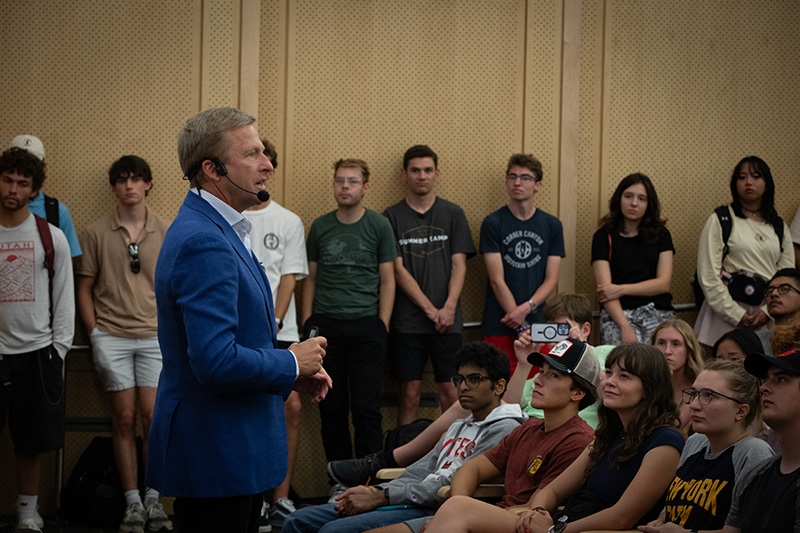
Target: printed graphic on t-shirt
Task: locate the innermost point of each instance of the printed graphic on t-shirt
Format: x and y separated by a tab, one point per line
17	272
522	248
423	241
346	250
459	447
272	241
700	493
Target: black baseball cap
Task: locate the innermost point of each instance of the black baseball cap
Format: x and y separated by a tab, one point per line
758	364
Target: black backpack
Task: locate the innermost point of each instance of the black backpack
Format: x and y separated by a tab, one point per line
726	223
93	495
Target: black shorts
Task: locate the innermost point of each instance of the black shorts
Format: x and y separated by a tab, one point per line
32	397
408	353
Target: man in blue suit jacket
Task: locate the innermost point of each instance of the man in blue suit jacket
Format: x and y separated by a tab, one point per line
218	436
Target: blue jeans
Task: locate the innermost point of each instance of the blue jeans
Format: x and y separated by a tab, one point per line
324	519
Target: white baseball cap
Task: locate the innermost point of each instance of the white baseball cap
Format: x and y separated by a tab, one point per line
29	143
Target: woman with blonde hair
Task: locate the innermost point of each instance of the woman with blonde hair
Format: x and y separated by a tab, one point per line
677	341
724	400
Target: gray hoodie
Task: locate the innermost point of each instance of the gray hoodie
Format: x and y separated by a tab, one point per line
463	439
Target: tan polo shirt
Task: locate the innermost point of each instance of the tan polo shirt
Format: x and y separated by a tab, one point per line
124	302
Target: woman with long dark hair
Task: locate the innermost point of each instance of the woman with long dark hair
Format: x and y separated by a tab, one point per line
632	262
619	481
733	274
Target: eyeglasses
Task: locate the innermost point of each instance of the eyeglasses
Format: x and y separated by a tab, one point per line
705	396
524	177
349	181
472	381
782	289
133	249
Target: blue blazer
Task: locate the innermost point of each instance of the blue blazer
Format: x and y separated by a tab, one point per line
218	427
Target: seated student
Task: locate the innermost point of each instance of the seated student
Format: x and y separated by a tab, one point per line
676	340
724	401
783	297
620	479
483	373
736	345
572	309
533	454
766	499
575	309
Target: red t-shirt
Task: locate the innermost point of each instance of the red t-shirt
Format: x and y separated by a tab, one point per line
531	457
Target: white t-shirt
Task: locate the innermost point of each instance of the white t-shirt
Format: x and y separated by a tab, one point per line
278	240
795	227
24	291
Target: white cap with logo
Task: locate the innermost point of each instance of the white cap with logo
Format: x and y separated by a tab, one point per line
29	143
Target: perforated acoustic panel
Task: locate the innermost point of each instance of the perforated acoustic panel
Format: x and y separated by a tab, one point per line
690	89
369	79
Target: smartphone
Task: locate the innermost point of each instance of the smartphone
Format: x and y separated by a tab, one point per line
549	332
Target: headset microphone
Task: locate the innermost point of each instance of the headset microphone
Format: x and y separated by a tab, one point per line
219	166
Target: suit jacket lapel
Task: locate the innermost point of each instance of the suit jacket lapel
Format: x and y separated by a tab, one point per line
193	201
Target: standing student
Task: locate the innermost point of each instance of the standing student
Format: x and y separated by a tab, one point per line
117	301
349	295
37	321
522	247
433	245
278	240
753	246
632	261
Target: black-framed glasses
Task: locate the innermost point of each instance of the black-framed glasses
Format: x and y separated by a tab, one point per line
782	289
133	249
705	396
523	177
472	381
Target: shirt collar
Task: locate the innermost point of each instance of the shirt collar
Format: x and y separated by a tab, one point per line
237	221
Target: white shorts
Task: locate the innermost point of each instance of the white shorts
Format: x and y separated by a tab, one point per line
125	363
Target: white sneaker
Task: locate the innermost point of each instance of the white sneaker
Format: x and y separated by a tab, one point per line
37	518
133	521
27	526
156	519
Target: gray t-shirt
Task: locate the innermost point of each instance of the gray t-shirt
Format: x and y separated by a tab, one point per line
426	242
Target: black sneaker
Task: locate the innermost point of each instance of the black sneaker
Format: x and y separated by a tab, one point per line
352	472
264	525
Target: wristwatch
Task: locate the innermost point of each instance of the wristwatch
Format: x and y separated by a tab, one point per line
280	323
559	526
533	305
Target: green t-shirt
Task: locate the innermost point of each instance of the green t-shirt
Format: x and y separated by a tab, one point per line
347	257
589	414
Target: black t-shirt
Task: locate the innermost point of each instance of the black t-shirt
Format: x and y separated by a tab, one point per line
768	504
633	260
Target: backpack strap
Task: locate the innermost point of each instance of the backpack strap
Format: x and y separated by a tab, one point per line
51	210
778	227
726	223
49	257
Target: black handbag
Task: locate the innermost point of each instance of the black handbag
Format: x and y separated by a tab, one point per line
747	288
